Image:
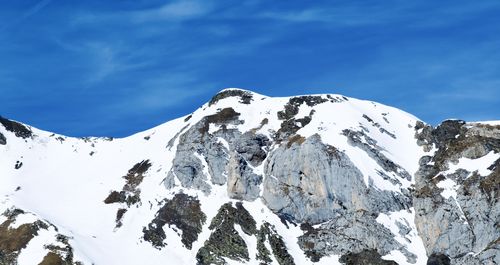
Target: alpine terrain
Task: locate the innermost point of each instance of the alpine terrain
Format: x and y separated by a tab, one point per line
251	179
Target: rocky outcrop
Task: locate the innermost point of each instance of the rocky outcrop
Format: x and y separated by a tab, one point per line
313	182
349	233
346	182
310	182
130	193
227	155
290	123
225	241
3	140
182	212
197	147
245	96
365	257
15	240
267	233
456	209
17	128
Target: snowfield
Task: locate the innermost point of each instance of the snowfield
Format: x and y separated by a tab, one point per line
63	181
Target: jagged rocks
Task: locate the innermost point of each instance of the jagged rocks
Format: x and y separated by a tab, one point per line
225	241
268	233
291	124
349	233
369	145
227	155
182	212
17	128
312	182
198	147
304	181
455	208
130	193
245	96
242	182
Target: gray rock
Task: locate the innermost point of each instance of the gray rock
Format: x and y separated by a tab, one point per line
311	182
242	182
3	140
464	229
350	232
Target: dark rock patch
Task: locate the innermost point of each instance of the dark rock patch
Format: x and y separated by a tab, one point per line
3	140
183	212
18	165
280	252
13	240
365	257
252	147
245	97
290	124
225	242
377	125
438	259
17	128
119	217
130	193
223	117
370	146
60	255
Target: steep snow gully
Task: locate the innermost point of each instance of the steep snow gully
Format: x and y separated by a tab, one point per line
251	179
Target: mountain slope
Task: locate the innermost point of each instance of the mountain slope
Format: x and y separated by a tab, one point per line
246	178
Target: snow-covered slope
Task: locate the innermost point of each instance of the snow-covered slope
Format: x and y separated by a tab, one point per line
245	179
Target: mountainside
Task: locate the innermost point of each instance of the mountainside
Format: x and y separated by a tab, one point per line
250	179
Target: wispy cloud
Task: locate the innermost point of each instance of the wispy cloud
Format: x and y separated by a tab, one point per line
368	13
28	13
175	11
179	10
166	91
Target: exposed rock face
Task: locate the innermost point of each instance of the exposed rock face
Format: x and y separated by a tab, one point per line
17	128
252	179
225	241
366	257
182	212
130	193
14	240
349	233
304	181
456	208
245	96
268	233
199	144
3	140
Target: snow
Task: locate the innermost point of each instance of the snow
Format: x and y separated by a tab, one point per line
411	241
479	164
494	123
250	241
21	219
61	183
449	188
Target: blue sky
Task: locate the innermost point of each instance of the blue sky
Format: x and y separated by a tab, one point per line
113	68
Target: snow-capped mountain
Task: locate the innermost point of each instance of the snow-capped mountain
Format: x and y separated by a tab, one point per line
251	179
